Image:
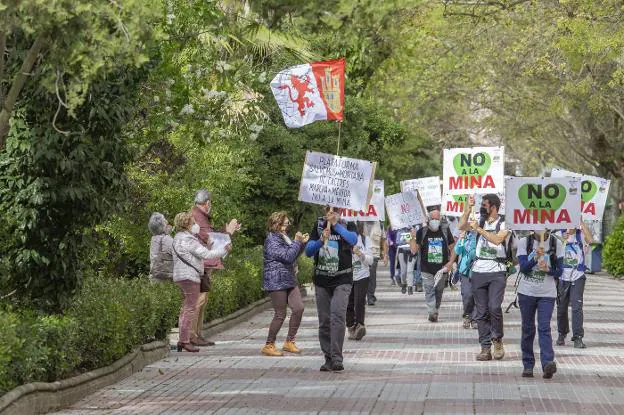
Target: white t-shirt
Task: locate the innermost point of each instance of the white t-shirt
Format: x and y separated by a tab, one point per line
572	257
538	283
362	262
487	252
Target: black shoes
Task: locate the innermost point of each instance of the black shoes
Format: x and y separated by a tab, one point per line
578	343
527	373
561	340
549	370
332	367
404	288
410	290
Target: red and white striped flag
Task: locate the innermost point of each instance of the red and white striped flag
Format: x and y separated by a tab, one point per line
310	92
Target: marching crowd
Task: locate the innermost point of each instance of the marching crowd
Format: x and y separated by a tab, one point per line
480	255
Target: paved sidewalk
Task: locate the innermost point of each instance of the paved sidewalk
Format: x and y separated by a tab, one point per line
404	365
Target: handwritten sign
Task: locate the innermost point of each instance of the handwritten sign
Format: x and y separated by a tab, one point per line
474	170
335	181
543	203
405	210
376	208
594	191
428	187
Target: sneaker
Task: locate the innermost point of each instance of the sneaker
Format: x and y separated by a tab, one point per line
527	373
474	324
269	349
410	290
485	355
337	367
467	322
360	331
549	370
326	367
351	331
371	303
578	343
404	288
291	347
419	288
430	317
499	350
561	340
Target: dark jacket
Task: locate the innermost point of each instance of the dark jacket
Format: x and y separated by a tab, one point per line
205	226
279	262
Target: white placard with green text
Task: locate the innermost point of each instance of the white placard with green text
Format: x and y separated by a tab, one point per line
474	170
594	191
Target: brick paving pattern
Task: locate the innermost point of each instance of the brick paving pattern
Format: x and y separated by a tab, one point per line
404	365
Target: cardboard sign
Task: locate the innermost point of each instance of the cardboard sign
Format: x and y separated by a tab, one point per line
376	208
543	203
453	205
474	170
405	210
594	191
335	181
428	188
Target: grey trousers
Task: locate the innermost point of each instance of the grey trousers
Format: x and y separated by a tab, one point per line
489	292
331	305
571	293
433	295
467	298
372	282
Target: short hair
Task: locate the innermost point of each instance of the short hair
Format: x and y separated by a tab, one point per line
183	221
493	199
157	224
432	211
276	220
202	196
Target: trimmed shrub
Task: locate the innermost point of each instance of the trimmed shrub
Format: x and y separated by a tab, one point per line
613	253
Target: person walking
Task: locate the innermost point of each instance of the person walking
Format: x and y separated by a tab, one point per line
161	251
362	261
390	258
330	244
406	254
435	246
465	249
572	285
540	264
188	267
280	280
376	236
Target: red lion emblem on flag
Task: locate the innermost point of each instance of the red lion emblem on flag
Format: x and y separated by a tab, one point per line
302	87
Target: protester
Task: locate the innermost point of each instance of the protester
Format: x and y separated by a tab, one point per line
540	263
330	244
188	267
362	262
572	285
390	255
161	254
435	247
377	238
489	273
203	226
406	254
280	280
465	249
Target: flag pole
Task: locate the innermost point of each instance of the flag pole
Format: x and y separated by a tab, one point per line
339	131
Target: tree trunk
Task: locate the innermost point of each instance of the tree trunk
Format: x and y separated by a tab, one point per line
16	87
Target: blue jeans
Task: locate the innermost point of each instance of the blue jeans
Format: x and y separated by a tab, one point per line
544	307
392	260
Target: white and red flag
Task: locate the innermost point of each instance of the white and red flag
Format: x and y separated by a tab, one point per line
310	92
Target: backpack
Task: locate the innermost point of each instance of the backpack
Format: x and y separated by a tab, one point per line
507	244
552	248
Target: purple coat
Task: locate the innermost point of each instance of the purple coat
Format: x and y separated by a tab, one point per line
279	261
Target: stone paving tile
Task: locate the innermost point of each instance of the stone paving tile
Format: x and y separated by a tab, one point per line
405	365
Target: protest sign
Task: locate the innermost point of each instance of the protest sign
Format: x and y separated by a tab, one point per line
219	240
543	203
428	188
405	209
335	181
453	205
376	209
474	170
594	191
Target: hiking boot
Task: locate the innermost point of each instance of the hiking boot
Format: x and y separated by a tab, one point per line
404	288
578	343
269	349
326	367
351	331
419	288
410	290
561	340
485	355
467	322
360	331
527	373
499	350
549	370
337	367
291	347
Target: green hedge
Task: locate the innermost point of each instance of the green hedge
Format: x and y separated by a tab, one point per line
110	316
613	253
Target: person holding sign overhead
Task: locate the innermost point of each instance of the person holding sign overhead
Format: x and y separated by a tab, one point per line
330	244
541	261
489	273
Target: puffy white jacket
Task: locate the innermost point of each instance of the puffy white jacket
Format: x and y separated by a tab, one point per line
188	246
